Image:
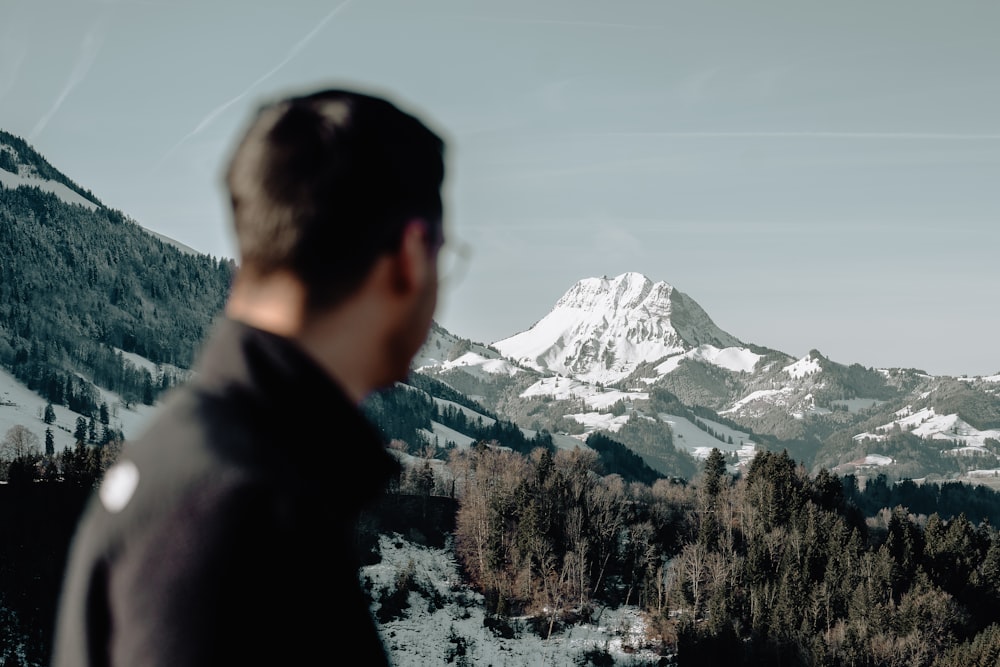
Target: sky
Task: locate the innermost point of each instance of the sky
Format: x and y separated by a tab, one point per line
816	175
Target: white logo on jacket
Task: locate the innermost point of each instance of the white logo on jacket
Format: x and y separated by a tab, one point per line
118	486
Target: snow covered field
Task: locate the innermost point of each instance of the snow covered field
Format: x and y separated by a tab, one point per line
21	406
444	623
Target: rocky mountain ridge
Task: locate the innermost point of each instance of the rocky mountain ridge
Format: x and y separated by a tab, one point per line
613	354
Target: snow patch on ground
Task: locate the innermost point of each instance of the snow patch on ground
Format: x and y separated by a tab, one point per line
927	424
470	414
13	181
445	622
771	396
699	443
599	421
803	367
21	406
444	435
154	368
867	462
562	440
562	388
736	359
491	366
983	378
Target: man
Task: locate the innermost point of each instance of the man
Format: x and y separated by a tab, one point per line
224	535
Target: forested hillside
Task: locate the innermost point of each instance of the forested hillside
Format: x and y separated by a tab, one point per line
774	567
78	287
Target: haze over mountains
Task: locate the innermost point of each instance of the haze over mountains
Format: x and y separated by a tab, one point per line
641	361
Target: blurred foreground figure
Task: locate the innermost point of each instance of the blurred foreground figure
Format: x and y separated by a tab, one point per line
225	534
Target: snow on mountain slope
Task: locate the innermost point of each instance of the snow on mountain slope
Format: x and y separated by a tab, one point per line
803	367
477	364
769	397
26	178
561	388
469	413
443	350
598	421
442	435
687	435
446	434
927	424
602	329
699	442
20	406
737	359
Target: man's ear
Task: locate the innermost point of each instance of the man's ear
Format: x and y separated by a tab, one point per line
414	259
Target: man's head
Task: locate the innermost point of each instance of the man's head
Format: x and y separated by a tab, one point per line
324	183
336	204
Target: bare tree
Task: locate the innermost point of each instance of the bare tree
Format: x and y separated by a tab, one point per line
19	443
484	539
607	508
693	563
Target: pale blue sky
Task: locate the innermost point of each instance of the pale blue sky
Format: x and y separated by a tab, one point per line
814	174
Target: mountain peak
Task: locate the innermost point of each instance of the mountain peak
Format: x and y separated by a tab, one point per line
601	329
624	291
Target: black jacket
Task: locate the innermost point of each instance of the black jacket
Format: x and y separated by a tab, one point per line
225	535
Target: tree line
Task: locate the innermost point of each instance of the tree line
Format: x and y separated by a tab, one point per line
770	566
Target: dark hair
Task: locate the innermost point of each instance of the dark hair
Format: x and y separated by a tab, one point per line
321	184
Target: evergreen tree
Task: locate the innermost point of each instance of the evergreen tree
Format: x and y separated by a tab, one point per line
715	468
80	433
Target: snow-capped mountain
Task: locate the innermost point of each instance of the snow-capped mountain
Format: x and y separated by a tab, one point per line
615	350
602	329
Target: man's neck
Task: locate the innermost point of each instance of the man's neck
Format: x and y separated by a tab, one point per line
348	353
275	303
